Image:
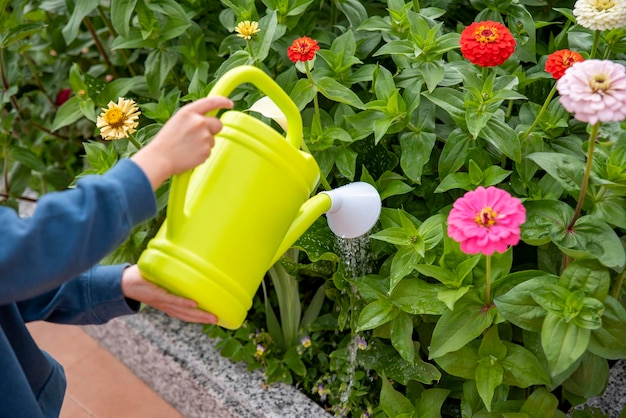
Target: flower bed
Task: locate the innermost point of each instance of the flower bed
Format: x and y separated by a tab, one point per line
493	131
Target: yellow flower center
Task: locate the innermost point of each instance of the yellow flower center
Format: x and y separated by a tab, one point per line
486	217
599	82
114	117
486	34
602	5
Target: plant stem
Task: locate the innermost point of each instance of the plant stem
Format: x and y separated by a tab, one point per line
133	141
113	34
543	109
5	84
317	122
33	70
485	73
416	6
594	46
5	171
583	187
488	280
99	46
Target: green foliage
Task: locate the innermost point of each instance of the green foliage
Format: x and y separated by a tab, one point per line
415	327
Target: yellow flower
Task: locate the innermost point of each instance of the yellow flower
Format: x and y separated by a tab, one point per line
246	29
118	120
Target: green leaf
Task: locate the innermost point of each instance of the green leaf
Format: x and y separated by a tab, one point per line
564	168
451	101
563	343
609	341
503	137
269	23
462	362
158	66
18	33
430	403
376	314
591	238
354	11
488	378
590	378
396	236
417	297
455	181
588	275
519	306
445	276
336	91
432	72
27	157
416	150
303	93
456	328
402	336
293	361
121	12
81	9
386	360
522	368
476	121
544	218
67	114
403	263
393	402
540	404
454	152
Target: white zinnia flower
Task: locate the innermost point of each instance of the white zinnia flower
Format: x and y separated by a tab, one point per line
600	14
118	120
594	90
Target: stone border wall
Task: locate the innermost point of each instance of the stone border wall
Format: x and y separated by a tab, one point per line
181	364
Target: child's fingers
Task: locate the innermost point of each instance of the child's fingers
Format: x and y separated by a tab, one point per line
204	105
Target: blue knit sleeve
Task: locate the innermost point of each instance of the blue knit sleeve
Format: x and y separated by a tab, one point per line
71	231
94	297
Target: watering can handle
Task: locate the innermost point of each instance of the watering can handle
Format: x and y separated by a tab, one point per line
223	87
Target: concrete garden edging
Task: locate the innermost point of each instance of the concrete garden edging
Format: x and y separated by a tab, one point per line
181	364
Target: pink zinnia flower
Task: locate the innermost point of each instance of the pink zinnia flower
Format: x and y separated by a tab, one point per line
486	220
594	91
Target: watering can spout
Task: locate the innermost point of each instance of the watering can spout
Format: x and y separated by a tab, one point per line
351	211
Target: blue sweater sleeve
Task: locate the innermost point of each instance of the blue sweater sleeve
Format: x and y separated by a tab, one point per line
71	231
94	297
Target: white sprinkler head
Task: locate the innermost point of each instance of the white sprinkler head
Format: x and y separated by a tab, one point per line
355	209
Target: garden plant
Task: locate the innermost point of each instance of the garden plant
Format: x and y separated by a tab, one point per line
494	131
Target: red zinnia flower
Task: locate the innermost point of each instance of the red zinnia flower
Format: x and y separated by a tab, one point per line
560	61
487	43
302	49
62	96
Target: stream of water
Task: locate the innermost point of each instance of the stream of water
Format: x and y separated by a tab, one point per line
355	254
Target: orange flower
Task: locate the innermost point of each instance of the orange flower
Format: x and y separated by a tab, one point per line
302	49
561	60
487	43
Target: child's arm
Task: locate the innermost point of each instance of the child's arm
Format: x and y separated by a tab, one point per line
72	230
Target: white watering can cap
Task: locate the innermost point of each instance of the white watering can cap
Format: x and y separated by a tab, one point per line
355	209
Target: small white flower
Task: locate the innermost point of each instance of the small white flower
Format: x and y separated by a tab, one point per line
600	14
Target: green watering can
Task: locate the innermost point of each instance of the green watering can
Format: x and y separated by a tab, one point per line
232	217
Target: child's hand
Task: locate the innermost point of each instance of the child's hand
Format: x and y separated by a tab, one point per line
135	287
184	141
